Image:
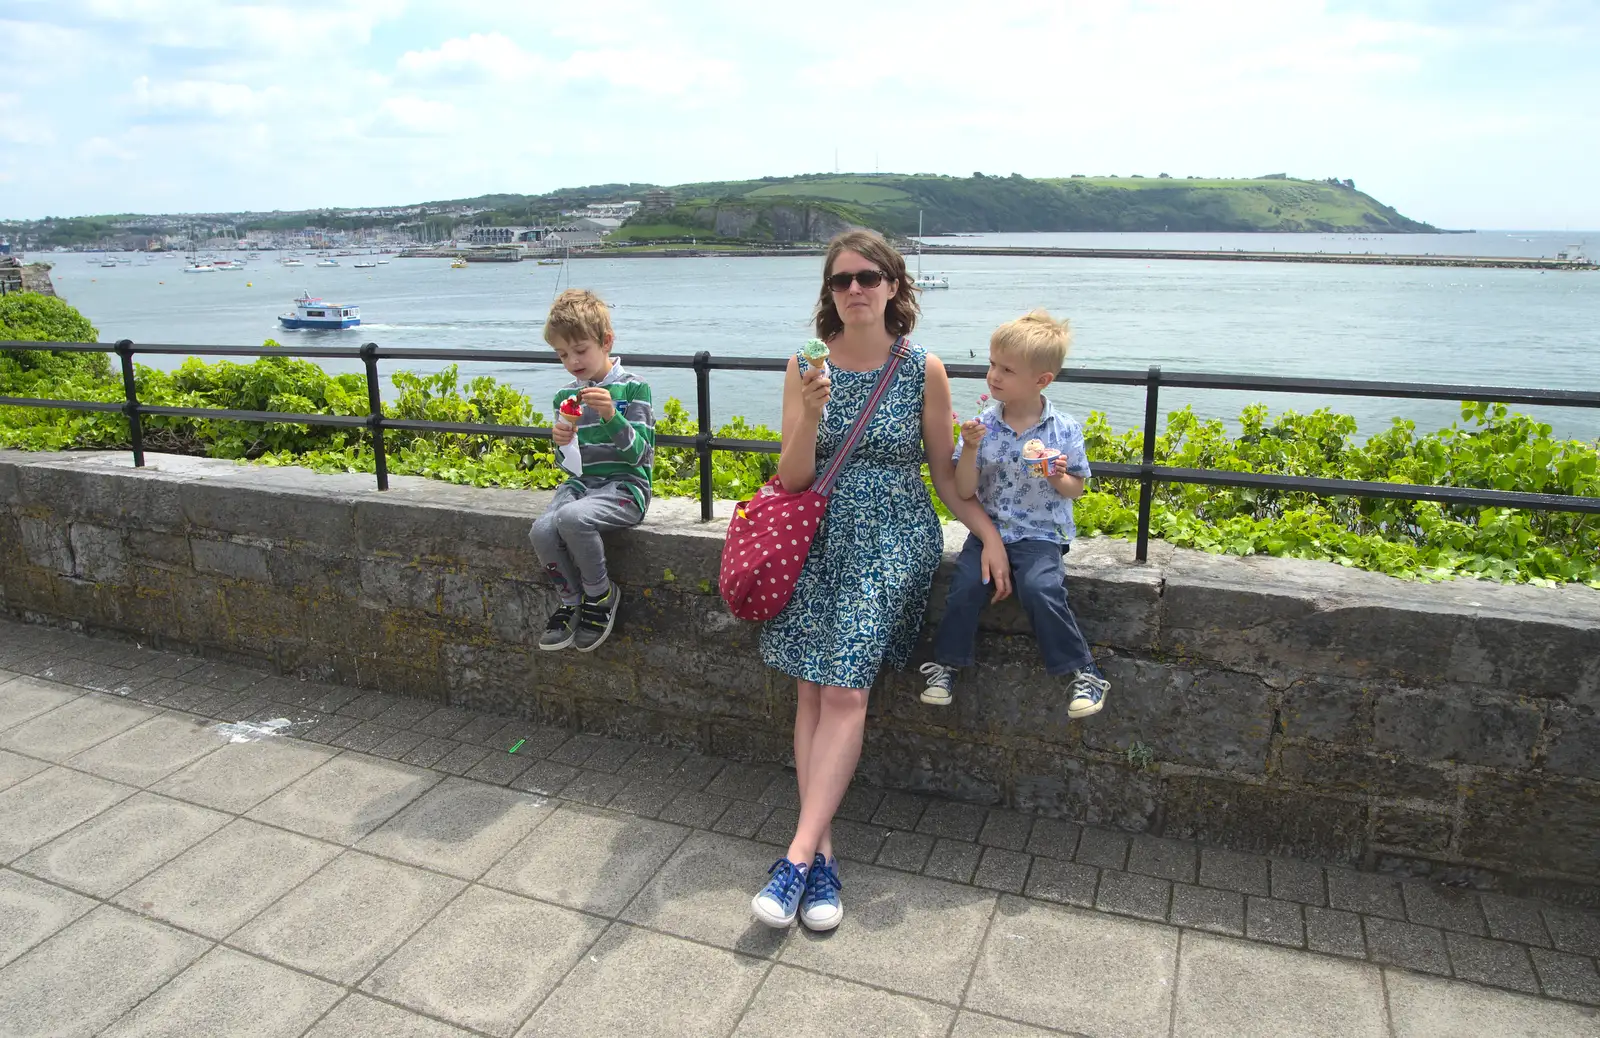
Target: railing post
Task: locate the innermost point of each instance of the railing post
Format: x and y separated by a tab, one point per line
1147	461
131	405
702	392
380	463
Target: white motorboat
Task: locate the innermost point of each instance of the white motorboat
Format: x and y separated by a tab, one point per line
327	262
922	280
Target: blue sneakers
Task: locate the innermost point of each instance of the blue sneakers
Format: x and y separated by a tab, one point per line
780	898
819	906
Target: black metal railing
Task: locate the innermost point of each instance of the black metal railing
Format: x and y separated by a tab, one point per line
1147	472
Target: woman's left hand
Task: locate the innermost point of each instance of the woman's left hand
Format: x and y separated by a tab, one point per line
997	568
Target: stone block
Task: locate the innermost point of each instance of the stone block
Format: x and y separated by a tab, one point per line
1452	724
1201	908
1264	819
487	961
1230	870
348	918
1328	768
1432	905
1092	791
1246	990
836	1007
1335	933
1573	742
907	851
1167	859
1491	962
488	679
1063	881
1211	718
45	544
916	762
954	860
98	553
1276	922
1533	821
91	973
1417	831
314	512
234	559
1031	946
458	827
588	859
31	911
640	983
1127	893
159	549
229	993
1328	710
1420	948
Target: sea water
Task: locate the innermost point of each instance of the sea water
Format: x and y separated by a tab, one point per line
1433	324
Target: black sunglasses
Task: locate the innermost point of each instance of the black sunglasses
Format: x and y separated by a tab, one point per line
867	278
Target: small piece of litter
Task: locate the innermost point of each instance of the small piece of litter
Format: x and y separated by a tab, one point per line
518	746
246	731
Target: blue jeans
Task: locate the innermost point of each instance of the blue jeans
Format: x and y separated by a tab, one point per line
1038	580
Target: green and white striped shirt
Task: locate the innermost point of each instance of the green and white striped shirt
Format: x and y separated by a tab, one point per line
621	450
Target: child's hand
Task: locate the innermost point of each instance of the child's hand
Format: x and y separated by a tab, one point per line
973	432
600	400
561	433
1058	466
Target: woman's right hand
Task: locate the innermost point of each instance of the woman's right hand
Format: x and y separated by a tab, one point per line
815	389
561	433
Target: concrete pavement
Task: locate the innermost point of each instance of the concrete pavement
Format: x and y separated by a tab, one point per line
172	861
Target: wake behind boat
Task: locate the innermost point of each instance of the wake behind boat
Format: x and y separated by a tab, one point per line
311	312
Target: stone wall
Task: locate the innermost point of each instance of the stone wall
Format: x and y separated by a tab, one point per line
1264	704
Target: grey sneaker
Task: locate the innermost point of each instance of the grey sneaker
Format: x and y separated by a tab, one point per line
939	677
558	631
595	619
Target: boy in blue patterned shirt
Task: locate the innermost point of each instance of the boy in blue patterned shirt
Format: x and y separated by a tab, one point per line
1033	512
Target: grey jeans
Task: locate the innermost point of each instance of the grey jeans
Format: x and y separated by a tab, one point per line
567	536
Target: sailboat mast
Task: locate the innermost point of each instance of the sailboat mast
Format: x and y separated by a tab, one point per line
919	244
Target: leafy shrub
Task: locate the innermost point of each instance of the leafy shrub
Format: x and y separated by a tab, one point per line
1493	448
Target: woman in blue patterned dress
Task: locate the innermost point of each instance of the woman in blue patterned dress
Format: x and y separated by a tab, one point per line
861	595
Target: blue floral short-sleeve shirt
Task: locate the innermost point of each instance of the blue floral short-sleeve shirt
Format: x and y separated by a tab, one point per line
1025	507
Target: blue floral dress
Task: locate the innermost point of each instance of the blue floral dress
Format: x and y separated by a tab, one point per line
863	589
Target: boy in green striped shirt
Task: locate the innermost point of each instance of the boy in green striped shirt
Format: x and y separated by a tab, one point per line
615	434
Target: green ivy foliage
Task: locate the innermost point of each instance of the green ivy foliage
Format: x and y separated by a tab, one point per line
1491	447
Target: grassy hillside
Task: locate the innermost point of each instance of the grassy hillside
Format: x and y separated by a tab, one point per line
890	202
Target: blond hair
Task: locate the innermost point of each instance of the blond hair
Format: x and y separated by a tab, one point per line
578	315
1038	339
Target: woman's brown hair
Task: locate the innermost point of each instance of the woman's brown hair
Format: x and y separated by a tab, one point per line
900	315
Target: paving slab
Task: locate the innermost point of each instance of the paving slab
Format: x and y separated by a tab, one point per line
1571	977
240	775
459	827
220	884
150	751
346	798
1429	1007
1065	882
1495	963
1032	947
909	934
1236	989
24	698
366	1017
586	858
30	911
824	1005
74	727
487	960
347	918
14	768
704	891
37	810
976	1025
86	976
122	844
643	984
230	995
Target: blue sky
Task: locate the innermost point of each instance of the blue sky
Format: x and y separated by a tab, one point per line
1466	113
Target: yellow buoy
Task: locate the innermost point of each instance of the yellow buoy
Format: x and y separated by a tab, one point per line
249	284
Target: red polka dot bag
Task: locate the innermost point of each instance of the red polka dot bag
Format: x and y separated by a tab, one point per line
770	535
